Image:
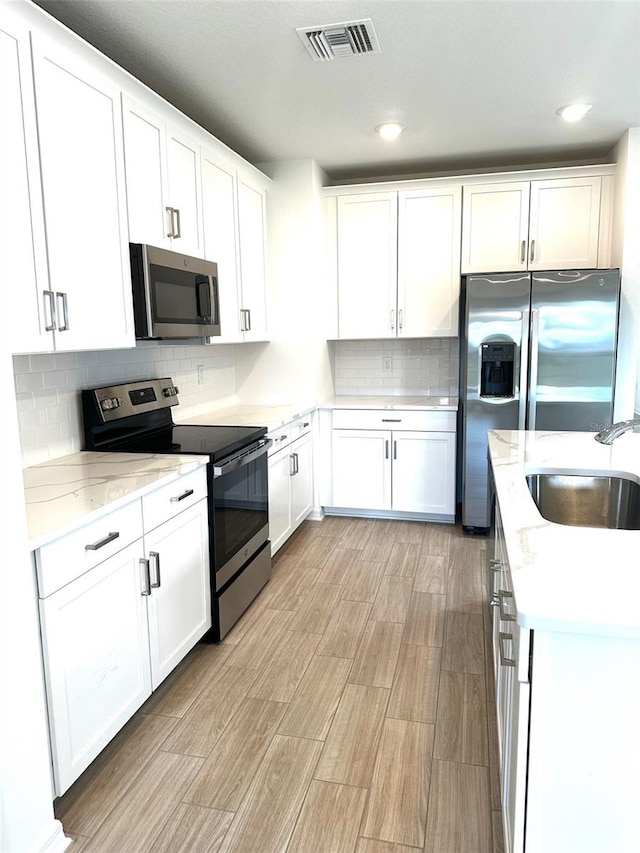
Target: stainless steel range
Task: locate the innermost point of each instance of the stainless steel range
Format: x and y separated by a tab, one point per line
136	418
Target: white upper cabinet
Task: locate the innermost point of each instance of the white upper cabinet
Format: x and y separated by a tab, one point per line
221	240
399	263
564	224
537	225
367	265
83	187
23	258
429	262
163	181
495	227
252	254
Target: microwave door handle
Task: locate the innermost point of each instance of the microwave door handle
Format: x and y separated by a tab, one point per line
203	298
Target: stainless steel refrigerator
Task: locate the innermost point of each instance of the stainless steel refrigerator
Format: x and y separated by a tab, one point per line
538	352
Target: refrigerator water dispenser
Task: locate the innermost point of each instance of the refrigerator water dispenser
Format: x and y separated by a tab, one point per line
496	370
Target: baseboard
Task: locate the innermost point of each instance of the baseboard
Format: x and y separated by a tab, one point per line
53	840
390	514
316	514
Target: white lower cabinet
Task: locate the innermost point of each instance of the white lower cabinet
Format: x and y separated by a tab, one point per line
114	627
290	480
568	736
406	464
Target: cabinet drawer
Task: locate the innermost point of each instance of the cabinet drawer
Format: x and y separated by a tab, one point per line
64	560
394	419
301	426
280	437
176	496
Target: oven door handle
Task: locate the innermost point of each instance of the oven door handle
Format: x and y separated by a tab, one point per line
242	459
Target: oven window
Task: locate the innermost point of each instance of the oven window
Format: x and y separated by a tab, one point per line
240	508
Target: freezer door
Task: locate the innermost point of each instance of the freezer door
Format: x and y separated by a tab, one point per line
496	314
574	323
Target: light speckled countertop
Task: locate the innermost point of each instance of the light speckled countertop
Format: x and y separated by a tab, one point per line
576	579
422	403
63	493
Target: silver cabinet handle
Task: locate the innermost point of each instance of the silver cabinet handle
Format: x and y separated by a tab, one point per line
386	448
532	250
49	296
400	318
391	420
170	233
292	464
504	615
176	230
523	251
304	425
393	319
95	546
503	638
244	321
155	556
296	459
64	326
395	449
248	320
146	577
187	493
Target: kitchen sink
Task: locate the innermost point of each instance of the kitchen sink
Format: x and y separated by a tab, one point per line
585	500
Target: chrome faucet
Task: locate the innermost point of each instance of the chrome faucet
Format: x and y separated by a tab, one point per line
609	434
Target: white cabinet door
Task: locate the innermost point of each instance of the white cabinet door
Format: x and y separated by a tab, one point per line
23	258
146	168
280	475
361	468
423	478
302	480
495	227
564	224
429	225
220	241
183	166
252	230
180	600
96	653
83	182
367	265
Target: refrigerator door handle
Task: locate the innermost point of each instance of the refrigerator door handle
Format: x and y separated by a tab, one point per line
533	373
524	367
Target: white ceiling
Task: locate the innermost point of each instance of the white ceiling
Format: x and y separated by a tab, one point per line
476	82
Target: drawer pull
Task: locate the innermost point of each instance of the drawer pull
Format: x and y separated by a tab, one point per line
102	542
391	420
146	577
184	495
503	637
504	615
155	556
304	425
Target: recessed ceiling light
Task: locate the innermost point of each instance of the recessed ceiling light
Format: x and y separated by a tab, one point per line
573	112
390	130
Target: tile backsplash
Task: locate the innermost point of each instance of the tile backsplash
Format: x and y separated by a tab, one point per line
417	367
48	386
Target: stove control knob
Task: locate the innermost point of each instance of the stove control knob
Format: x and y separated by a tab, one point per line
170	391
110	403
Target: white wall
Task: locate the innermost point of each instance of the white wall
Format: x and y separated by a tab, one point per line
26	811
626	255
295	366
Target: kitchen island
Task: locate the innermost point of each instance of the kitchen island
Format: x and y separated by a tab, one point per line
565	618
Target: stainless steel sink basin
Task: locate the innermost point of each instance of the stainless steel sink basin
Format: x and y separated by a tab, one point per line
585	500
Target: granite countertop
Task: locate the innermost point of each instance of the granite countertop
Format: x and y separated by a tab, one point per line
274	416
63	493
421	403
573	579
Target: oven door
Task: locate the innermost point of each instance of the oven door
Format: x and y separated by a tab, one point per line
239	510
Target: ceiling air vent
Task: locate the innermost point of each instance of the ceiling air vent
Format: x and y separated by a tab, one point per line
334	40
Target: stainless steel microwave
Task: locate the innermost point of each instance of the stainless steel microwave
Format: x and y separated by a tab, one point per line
174	295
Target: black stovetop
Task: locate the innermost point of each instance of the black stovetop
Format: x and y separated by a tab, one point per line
213	441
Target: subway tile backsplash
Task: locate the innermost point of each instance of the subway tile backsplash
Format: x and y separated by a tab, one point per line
417	367
48	388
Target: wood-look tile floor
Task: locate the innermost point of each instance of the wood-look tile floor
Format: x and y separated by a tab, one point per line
350	710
